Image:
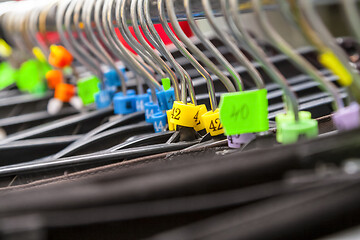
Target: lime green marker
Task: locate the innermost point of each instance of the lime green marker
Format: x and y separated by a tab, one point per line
244	112
87	88
31	75
7	75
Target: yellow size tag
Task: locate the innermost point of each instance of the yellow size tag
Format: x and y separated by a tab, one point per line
172	127
212	122
199	123
5	49
184	115
39	54
329	60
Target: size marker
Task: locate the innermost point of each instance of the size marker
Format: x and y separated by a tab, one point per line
212	122
330	60
244	112
184	115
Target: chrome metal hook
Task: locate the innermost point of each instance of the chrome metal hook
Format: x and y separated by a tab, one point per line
121	18
63	22
299	61
214	51
108	23
353	16
154	38
314	28
289	96
192	60
134	17
240	57
194	49
87	17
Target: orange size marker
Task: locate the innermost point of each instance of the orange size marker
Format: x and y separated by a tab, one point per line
60	57
54	77
64	92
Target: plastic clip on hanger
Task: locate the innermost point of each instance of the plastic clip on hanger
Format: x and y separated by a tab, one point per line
112	44
189	115
154	38
99	94
103	31
104	97
122	104
88	86
30	75
297	59
154	85
292	125
333	57
167	96
234	126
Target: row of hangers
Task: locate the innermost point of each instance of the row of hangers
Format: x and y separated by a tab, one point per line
88	53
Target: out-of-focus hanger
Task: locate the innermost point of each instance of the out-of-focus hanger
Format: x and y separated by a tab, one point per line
214	51
196	51
194	62
297	59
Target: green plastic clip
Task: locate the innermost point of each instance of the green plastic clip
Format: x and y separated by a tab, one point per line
166	83
244	112
87	88
30	77
289	131
7	75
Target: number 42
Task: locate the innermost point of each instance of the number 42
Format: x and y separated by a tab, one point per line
215	125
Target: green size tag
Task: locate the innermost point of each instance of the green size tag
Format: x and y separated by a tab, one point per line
244	112
30	76
87	88
7	75
292	131
166	83
288	130
289	117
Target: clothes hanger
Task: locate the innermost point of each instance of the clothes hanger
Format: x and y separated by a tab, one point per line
63	18
105	31
91	160
153	54
226	39
214	51
87	19
297	59
316	32
75	19
243	36
108	22
118	122
292	124
152	35
121	18
352	14
74	146
68	124
194	62
196	52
